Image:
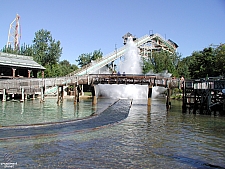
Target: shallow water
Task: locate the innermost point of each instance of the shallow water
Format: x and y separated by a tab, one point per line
147	138
32	111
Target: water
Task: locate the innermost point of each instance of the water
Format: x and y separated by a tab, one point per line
147	138
17	113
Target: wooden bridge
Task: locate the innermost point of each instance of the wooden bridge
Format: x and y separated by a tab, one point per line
31	86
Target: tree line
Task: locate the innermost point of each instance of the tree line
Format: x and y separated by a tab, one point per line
209	62
46	51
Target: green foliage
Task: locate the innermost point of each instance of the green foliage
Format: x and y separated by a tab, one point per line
161	61
85	59
66	67
25	50
220	60
47	51
147	66
210	62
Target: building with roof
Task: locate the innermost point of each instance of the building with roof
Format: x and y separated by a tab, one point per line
14	66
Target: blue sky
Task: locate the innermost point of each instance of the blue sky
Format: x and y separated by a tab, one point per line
83	26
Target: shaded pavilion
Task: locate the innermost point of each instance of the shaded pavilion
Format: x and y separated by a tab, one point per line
14	66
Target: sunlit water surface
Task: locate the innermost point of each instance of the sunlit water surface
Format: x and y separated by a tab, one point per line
147	138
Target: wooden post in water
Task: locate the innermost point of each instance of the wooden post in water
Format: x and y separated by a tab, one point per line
4	95
78	93
149	94
62	94
75	94
94	98
168	102
58	96
42	94
22	95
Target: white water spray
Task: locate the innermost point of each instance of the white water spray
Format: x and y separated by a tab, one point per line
130	65
132	59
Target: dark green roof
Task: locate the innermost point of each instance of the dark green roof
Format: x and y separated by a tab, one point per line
12	60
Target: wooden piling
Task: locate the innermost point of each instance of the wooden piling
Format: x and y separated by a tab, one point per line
42	94
149	94
22	95
58	96
4	95
75	94
168	102
94	98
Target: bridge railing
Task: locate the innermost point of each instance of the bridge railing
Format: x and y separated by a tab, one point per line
39	82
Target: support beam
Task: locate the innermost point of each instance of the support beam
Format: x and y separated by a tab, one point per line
75	94
13	72
94	98
22	95
29	71
4	95
78	93
149	94
58	96
168	102
42	94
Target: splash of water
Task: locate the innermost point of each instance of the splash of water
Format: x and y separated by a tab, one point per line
130	65
132	60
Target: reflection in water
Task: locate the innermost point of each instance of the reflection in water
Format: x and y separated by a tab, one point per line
147	138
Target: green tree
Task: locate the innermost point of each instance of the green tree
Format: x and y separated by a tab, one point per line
220	60
66	67
158	62
47	51
24	49
183	68
202	63
85	59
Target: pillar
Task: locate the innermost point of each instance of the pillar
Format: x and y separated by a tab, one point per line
82	90
42	94
62	93
75	94
22	95
78	93
94	98
168	102
14	72
58	96
4	95
149	94
29	71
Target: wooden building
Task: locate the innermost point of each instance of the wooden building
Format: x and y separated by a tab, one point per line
14	66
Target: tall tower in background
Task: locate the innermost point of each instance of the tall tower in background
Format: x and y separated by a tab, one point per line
14	34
